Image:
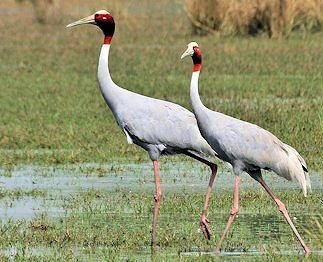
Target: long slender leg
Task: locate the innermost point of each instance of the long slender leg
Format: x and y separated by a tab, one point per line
157	198
283	210
204	223
233	214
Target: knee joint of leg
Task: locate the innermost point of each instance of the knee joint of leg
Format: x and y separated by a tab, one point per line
281	206
234	211
158	196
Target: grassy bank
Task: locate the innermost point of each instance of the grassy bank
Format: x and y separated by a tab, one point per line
52	111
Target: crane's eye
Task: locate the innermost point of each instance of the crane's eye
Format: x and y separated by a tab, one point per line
102	17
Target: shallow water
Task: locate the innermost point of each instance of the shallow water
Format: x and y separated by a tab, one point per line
249	253
69	179
41	251
29	207
31	191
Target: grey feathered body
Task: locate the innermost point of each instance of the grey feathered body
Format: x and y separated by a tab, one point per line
247	147
158	126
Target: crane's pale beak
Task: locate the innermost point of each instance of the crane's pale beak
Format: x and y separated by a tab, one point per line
189	52
85	20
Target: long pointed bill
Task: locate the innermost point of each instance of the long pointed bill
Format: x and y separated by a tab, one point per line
188	52
85	20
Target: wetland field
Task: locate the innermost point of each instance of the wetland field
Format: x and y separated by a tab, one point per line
72	188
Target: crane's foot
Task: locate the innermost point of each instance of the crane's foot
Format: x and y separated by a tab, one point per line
204	223
307	251
217	251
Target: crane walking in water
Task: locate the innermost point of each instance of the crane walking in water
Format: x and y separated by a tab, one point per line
247	147
158	126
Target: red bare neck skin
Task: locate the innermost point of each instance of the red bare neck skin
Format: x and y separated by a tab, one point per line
197	67
197	59
107	40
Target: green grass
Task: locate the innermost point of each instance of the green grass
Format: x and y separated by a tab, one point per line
52	113
101	225
114	220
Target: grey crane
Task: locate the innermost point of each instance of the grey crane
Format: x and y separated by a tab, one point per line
247	147
158	126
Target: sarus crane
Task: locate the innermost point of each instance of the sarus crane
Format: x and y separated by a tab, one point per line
247	147
160	127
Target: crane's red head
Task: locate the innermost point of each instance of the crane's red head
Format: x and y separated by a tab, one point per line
193	50
102	19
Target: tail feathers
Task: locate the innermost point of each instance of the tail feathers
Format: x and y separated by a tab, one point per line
206	150
296	169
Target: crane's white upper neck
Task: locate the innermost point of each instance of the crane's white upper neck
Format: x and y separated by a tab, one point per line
109	89
103	67
194	92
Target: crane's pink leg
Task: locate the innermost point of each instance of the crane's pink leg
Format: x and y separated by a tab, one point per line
233	214
204	222
283	210
157	198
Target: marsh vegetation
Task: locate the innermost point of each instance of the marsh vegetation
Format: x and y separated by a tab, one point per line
54	122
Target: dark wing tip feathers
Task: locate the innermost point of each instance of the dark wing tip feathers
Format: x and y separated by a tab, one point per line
301	160
304	168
